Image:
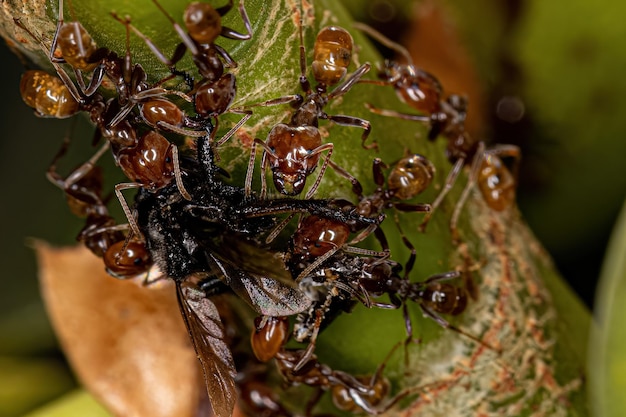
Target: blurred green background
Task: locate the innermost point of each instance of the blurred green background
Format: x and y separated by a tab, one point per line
559	64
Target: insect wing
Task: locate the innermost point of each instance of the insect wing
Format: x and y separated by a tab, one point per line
272	295
207	335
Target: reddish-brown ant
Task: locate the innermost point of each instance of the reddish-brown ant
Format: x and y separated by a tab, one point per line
409	176
446	117
215	92
292	151
123	256
78	49
149	160
435	295
48	95
297	366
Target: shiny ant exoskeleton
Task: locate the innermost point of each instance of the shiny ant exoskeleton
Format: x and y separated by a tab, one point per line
215	237
47	95
292	151
349	393
446	117
148	159
409	176
216	90
123	256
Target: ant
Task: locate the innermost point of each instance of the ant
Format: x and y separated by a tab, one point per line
78	49
409	176
292	151
214	238
215	92
349	393
123	256
435	295
148	159
446	117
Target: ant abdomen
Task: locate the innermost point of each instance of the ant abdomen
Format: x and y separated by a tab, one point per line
127	259
496	183
77	46
410	176
160	110
213	98
331	55
48	95
444	298
150	162
374	395
268	337
203	22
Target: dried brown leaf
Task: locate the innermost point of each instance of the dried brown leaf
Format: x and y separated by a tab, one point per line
126	342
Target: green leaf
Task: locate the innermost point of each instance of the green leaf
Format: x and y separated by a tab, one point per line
533	327
607	344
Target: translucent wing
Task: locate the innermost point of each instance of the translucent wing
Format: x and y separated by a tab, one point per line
207	335
259	277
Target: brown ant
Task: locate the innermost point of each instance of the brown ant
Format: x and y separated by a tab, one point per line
47	95
435	295
215	92
123	256
409	176
78	49
297	366
446	117
149	159
292	151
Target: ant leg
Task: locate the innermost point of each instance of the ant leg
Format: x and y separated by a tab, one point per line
222	10
384	254
178	175
401	50
357	188
325	147
508	151
230	33
247	114
413	253
55	38
305	85
250	171
399	115
471	182
184	36
444	276
264	161
450	180
446	325
279	228
317	262
273	102
129	215
356	122
349	82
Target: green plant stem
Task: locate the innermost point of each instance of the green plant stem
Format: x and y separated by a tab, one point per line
533	327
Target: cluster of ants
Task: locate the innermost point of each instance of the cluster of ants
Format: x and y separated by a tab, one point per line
212	237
